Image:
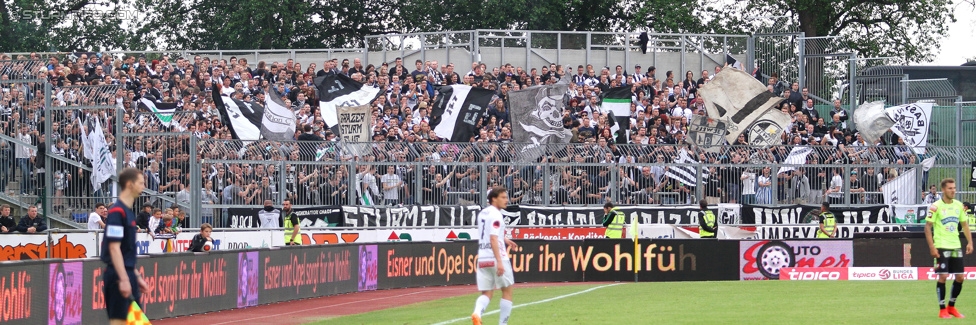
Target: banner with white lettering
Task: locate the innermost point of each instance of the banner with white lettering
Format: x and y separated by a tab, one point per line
684	215
810	231
410	216
801	214
322	216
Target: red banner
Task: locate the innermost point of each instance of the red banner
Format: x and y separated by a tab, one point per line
556	233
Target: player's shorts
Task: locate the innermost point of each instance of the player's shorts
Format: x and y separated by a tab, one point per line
117	305
488	278
950	262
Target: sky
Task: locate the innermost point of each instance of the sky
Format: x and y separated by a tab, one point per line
958	44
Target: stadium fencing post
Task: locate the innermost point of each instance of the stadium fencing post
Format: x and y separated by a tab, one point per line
48	190
196	188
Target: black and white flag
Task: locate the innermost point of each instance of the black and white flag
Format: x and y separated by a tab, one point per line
279	121
743	104
732	62
617	101
537	113
243	118
162	111
797	156
706	133
458	109
912	123
683	169
338	90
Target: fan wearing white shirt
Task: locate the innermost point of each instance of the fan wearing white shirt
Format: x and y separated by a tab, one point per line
96	220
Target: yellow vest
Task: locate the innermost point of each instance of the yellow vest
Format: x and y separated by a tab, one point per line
710	221
829	224
289	229
616	227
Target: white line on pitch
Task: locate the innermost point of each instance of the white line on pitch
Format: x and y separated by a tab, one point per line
532	303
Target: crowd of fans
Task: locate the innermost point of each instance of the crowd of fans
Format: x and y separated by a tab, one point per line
326	172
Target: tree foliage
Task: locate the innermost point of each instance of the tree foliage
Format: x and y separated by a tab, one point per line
64	25
907	29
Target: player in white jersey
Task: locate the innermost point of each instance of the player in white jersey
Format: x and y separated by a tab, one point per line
494	267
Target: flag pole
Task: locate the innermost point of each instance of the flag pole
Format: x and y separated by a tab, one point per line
633	228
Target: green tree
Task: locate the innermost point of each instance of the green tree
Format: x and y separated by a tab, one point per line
264	24
64	25
907	29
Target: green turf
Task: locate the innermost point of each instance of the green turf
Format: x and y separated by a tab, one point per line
747	302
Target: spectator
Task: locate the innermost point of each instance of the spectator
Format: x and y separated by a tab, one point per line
154	221
835	193
25	157
931	196
96	219
748	178
168	225
201	239
7	224
764	194
32	223
142	220
391	185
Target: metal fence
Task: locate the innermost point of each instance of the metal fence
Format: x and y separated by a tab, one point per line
425	173
529	49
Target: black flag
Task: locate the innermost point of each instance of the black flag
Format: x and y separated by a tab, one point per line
458	110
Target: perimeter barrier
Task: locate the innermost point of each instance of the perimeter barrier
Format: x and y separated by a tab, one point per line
58	291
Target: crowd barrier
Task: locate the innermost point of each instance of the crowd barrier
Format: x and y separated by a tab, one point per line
57	291
530	215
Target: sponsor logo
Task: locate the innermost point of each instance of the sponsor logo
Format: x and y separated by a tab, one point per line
557	233
927	273
31	251
762	260
816	273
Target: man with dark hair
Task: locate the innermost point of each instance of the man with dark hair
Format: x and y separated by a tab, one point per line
828	224
7	224
308	142
120	283
613	220
494	267
942	224
707	226
95	219
290	221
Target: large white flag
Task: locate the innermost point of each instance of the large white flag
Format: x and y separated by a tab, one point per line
96	150
912	123
901	190
743	104
872	121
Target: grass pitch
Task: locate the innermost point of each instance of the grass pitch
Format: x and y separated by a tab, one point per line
732	302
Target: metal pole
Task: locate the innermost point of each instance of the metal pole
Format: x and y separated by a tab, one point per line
48	189
528	49
589	42
483	180
904	90
959	140
196	186
559	48
852	100
802	61
282	175
626	52
682	55
119	142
